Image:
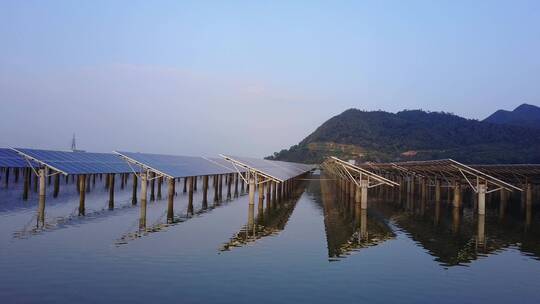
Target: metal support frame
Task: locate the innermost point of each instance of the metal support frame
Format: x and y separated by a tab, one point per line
250	170
446	169
356	174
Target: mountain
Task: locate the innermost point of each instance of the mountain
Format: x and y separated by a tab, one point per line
415	135
525	115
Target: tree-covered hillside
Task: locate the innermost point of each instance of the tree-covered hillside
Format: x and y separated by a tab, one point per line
415	135
525	115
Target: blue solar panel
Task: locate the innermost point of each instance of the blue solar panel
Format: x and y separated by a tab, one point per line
180	166
78	162
277	169
10	159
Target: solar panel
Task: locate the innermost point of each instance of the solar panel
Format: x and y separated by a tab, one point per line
277	169
10	159
439	168
176	166
226	164
77	162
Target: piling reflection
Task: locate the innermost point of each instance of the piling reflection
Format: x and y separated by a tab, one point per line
348	227
161	224
170	218
458	235
454	234
271	219
66	221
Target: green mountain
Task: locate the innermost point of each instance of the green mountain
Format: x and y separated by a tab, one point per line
525	115
415	135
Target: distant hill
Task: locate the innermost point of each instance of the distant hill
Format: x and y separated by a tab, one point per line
525	115
415	135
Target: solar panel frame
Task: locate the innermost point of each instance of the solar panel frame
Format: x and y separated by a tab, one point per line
67	162
440	168
277	170
178	166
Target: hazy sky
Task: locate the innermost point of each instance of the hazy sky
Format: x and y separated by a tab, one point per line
251	77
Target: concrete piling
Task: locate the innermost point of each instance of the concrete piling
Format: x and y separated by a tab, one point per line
482	189
170	200
216	194
251	189
236	184
437	190
503	197
220	186
229	186
56	185
152	186
190	194
36	183
268	191
134	190
261	198
457	194
6	180
142	220
160	181
363	194
82	195
42	194
26	184
107	181
111	191
205	192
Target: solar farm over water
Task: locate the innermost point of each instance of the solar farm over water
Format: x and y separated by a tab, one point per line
129	227
231	152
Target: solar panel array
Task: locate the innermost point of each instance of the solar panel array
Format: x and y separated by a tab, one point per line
174	166
10	159
515	173
439	168
177	166
77	162
277	169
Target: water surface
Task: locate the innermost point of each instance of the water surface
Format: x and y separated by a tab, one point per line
317	247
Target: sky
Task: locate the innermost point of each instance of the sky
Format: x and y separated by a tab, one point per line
250	77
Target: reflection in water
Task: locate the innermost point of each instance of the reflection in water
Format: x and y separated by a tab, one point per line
168	219
81	257
453	235
481	233
62	222
348	226
271	220
458	235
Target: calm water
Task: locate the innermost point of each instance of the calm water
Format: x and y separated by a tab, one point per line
316	248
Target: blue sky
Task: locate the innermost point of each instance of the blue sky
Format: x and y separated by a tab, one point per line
251	77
